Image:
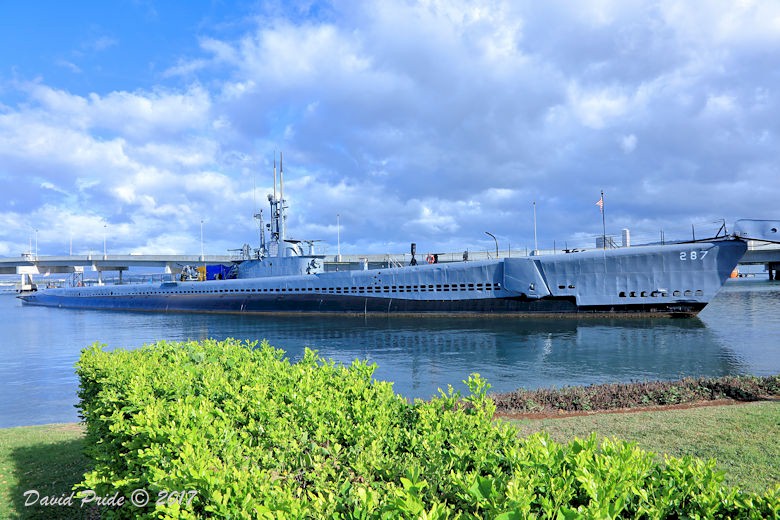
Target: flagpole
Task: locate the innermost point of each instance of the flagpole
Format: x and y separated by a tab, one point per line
603	223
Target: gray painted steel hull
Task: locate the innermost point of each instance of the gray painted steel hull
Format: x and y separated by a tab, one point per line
677	279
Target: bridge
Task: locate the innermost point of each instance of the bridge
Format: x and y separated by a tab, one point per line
766	253
29	265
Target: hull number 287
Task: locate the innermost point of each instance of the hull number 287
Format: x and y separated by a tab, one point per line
693	255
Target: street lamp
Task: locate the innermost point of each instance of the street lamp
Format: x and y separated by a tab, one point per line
338	237
105	227
495	240
201	241
536	244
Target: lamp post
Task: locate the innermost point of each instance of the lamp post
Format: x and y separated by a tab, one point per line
202	258
338	237
105	228
536	244
36	244
494	240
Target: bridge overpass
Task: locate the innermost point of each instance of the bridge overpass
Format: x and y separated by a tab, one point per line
29	265
766	253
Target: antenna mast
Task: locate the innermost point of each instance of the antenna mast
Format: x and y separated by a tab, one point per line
282	214
258	215
274	212
274	178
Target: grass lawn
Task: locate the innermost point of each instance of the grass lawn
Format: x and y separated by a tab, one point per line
743	438
48	459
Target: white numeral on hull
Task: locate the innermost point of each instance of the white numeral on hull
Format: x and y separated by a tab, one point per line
693	255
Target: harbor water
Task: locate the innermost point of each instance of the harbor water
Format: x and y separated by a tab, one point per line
738	333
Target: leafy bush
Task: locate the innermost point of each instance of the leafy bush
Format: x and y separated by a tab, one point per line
632	395
255	436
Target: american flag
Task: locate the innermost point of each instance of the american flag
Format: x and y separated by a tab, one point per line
600	203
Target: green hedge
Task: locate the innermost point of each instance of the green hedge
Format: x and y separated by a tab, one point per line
612	396
255	436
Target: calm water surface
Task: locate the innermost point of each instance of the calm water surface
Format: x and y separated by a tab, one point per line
738	333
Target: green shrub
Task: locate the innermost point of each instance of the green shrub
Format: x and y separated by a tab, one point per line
254	436
632	395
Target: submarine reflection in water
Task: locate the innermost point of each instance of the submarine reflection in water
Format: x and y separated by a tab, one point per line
421	356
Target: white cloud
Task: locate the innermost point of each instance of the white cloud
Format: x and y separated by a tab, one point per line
70	66
597	109
139	115
194	153
720	104
628	143
425	121
431	221
49	186
143	115
25	139
723	22
102	43
186	68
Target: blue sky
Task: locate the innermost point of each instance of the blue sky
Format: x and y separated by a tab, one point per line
416	121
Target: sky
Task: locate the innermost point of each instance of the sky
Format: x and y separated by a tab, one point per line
137	124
